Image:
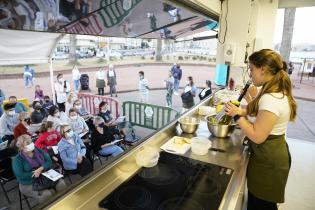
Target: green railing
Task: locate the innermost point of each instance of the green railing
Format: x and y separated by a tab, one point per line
148	115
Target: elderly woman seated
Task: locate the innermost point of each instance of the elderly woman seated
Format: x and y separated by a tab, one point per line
72	152
29	164
102	138
124	127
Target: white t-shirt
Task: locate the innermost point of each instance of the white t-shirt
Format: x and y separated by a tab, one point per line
279	105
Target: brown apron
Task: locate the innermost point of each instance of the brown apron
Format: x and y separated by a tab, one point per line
268	168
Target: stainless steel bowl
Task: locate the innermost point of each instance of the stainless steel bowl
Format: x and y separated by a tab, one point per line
218	130
189	124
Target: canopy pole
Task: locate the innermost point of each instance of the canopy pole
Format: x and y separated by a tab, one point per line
51	73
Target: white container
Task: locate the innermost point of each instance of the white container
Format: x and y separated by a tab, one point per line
200	146
147	157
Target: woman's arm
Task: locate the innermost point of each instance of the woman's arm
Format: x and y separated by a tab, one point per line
260	130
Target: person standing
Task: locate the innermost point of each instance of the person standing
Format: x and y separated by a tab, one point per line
29	76
177	74
188	94
270	159
169	83
62	88
76	75
100	81
206	91
111	80
143	88
291	68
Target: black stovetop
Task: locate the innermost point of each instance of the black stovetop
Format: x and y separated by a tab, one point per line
176	183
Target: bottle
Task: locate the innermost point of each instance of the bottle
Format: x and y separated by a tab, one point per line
224	119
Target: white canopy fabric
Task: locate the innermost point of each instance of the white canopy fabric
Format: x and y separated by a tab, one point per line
26	47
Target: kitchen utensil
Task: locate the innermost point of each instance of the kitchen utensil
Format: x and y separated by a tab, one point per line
189	124
200	146
219	130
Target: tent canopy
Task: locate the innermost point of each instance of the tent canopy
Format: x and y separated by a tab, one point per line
26	47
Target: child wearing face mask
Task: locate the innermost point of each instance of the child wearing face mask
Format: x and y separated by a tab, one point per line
29	164
57	117
39	114
73	152
22	128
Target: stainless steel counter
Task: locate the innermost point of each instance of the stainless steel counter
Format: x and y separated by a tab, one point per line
88	194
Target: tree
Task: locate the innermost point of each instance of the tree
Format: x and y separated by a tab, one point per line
287	33
73	59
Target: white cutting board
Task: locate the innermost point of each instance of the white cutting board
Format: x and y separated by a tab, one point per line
174	148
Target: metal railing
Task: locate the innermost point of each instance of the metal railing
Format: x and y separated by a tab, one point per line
148	115
91	102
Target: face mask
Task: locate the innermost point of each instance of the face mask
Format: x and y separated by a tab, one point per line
78	106
30	147
57	114
70	133
104	110
37	107
11	113
101	125
73	117
46	101
187	82
141	77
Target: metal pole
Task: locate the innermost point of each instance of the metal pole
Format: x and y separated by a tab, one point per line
302	70
51	73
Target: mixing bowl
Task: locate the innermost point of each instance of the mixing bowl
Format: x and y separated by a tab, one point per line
189	124
219	130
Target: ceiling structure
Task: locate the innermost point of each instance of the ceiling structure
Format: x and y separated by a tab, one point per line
115	18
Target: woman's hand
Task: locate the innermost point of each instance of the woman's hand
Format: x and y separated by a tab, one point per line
37	172
232	110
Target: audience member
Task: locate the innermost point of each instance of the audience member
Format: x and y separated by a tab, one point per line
22	128
57	117
78	124
39	113
47	104
8	121
19	107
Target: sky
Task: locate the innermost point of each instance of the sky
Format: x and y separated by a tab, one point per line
304	30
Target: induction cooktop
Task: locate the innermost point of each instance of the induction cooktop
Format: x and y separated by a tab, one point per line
175	183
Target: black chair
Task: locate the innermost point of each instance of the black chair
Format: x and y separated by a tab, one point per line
99	157
6	175
23	197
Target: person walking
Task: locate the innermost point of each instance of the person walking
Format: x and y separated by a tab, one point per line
143	88
29	76
76	75
272	109
100	81
62	88
111	80
177	74
169	83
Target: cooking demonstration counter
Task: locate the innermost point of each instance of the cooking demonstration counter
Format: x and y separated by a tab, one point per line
227	156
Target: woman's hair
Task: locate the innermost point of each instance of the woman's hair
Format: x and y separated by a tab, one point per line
52	110
35	102
22	140
280	82
45	126
97	120
62	129
59	75
208	83
103	103
75	101
23	115
73	110
71	95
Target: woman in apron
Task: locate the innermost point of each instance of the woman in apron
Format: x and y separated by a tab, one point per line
273	108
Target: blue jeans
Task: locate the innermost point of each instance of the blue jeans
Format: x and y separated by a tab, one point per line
176	85
76	85
28	80
113	150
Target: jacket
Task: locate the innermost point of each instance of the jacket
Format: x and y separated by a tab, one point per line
69	153
23	170
47	139
7	124
20	107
